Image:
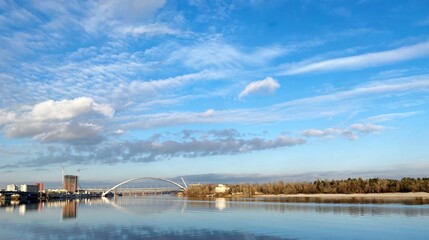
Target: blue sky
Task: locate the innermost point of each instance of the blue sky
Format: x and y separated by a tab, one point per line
233	88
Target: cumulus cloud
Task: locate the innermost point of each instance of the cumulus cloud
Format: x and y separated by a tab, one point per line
267	85
160	147
6	117
315	133
58	121
363	60
67	109
351	133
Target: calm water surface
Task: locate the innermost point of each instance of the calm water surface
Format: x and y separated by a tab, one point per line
168	217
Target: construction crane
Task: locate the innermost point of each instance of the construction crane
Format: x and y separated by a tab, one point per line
78	171
62	174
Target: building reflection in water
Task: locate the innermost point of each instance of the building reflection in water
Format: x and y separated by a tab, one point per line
220	203
70	210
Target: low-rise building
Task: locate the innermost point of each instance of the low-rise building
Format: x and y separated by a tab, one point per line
221	188
12	188
40	186
29	188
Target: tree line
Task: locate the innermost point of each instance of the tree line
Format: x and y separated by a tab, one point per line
348	186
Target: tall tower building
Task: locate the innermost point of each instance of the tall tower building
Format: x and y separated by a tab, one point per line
70	183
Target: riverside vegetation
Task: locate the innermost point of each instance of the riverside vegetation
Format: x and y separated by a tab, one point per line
349	186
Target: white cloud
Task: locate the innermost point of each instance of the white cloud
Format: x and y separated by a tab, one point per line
314	133
330	133
267	85
67	109
391	116
373	88
149	29
367	127
15	14
174	118
80	133
119	132
391	73
210	54
58	121
351	133
116	13
327	105
171	83
218	54
208	113
362	61
6	117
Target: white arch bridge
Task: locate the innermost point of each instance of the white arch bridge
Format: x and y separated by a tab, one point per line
184	187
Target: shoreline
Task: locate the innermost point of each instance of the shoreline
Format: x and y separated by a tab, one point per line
409	195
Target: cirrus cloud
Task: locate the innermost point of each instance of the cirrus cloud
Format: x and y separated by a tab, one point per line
362	61
149	29
367	127
391	116
267	85
113	13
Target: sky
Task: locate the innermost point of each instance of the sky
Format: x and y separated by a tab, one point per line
218	89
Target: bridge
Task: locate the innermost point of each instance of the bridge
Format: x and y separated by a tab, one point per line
7	195
183	188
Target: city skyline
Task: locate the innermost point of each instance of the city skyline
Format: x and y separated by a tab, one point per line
223	89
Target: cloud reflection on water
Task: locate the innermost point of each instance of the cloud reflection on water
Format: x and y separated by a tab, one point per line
166	217
132	232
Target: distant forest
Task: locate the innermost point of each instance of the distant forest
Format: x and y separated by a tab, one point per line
349	186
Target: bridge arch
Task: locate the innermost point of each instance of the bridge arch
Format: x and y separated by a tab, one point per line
141	178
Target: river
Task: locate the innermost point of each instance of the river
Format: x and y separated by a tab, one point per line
170	217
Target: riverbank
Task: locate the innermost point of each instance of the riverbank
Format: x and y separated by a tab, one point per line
411	198
400	196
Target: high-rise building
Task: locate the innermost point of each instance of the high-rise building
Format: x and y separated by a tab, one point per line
70	183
